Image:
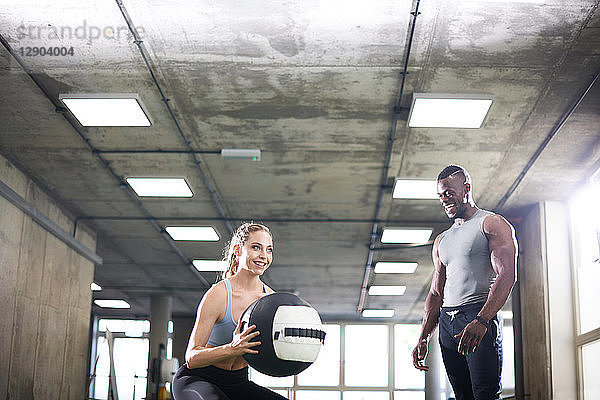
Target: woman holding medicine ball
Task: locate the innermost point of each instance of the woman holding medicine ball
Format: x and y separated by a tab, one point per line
214	367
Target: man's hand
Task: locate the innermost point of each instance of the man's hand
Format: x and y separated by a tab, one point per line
470	337
419	354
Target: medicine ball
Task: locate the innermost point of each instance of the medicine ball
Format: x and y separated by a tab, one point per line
291	334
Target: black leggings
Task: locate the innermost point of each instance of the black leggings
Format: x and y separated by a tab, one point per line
212	383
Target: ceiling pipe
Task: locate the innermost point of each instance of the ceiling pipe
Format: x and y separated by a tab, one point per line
386	166
282	220
60	109
157	151
545	143
165	235
142	49
211	189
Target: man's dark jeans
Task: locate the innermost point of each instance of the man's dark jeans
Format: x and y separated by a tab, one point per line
477	375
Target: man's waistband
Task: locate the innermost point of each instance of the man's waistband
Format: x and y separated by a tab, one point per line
465	307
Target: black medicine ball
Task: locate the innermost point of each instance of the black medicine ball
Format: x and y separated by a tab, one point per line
291	334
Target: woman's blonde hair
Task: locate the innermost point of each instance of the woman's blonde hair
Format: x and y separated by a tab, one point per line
239	238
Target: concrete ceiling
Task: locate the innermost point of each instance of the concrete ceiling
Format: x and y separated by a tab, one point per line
313	84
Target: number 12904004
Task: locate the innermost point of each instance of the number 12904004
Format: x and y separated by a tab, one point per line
46	51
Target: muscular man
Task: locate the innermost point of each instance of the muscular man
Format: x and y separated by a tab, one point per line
474	264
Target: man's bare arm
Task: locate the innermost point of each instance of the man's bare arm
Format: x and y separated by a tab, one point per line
431	314
503	255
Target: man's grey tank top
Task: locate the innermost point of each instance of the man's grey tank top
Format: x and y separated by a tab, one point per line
464	250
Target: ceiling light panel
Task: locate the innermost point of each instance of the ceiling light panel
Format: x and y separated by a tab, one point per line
112	303
432	110
371	313
160	187
395	267
197	233
107	109
387	290
415	189
406	235
210	265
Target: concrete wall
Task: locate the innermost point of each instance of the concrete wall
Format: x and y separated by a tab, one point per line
547	314
45	300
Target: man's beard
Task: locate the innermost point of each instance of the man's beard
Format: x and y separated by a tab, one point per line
460	211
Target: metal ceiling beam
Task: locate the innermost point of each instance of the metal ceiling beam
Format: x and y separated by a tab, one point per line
60	109
282	220
145	57
546	141
388	159
158	151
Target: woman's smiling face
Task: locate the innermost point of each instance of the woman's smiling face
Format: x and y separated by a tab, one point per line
257	252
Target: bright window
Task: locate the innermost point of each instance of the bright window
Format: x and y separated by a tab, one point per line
590	355
325	371
124	325
404	395
586	225
366	396
317	394
508	360
130	358
366	355
406	375
283	392
102	370
131	363
585	229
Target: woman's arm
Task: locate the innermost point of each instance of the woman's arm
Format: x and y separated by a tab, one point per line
210	309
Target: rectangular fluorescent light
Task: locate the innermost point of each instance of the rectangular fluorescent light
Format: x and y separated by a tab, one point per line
406	235
395	267
387	290
160	187
199	233
435	110
95	287
112	303
415	189
245	154
107	109
210	265
378	313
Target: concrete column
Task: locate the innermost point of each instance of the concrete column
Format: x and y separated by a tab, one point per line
160	315
547	312
433	386
182	328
